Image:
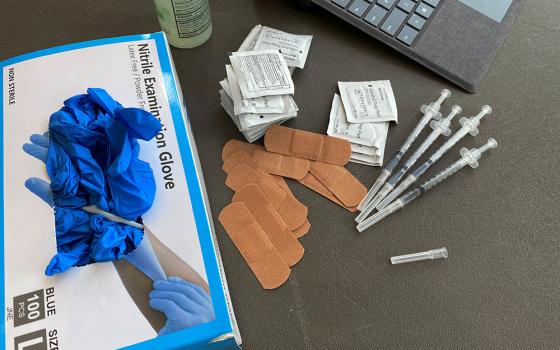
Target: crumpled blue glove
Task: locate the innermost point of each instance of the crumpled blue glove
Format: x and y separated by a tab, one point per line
184	304
91	156
143	257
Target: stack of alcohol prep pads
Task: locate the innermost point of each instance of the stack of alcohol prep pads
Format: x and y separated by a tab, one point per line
258	90
361	115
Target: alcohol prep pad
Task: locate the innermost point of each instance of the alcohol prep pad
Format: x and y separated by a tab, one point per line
262	73
368	101
293	47
366	134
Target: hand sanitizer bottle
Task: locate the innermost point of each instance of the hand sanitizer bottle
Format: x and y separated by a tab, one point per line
186	23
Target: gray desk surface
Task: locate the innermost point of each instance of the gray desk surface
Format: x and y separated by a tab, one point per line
500	287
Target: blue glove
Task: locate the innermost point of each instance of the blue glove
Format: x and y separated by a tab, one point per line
184	304
75	244
91	156
143	257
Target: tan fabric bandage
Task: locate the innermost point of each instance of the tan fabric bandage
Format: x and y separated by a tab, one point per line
236	158
279	164
271	222
290	209
310	181
307	145
254	245
302	231
241	157
233	146
340	182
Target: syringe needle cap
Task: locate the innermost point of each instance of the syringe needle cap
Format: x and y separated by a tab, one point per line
440	253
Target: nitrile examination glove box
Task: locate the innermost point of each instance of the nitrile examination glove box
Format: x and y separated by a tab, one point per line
108	305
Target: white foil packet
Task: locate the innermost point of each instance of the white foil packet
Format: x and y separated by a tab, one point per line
264	104
224	84
249	43
251	121
368	101
360	133
369	151
252	134
366	160
262	73
294	48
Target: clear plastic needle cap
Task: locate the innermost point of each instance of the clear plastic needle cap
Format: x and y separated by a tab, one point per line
429	255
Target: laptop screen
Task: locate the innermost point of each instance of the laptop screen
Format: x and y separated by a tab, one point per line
495	9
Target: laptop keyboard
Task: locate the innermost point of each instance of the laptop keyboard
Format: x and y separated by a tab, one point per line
401	19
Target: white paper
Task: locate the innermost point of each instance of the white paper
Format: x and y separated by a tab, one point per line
249	121
262	73
363	133
294	48
361	149
381	139
249	43
250	135
225	86
264	104
252	121
366	160
368	101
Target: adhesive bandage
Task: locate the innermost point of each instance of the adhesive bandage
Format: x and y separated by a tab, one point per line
307	145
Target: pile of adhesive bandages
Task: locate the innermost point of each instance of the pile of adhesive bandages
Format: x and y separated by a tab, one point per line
258	90
265	219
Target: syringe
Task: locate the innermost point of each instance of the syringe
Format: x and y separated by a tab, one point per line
469	126
468	157
430	111
441	127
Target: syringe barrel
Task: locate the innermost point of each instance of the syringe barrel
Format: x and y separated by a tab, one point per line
412	195
409	180
440	152
414	158
422	168
423	148
393	181
449	144
447	172
417	130
392	164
